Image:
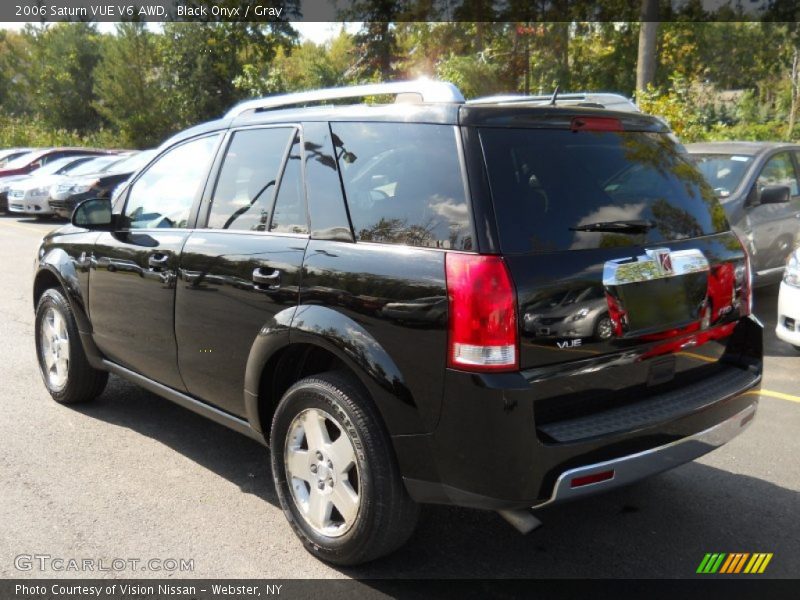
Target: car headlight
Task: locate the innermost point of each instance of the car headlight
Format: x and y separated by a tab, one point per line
791	276
581	314
83	186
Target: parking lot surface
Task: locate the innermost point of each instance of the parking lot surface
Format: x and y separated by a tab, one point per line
133	476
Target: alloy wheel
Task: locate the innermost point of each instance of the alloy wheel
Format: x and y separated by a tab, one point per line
55	348
322	472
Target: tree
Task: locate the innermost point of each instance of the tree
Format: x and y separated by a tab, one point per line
202	60
648	37
63	75
304	67
376	41
15	66
128	88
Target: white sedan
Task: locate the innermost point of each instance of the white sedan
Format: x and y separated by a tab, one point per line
30	194
788	327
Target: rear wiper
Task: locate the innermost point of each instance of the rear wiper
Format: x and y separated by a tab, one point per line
633	226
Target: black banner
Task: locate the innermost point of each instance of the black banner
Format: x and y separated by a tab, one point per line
705	588
398	11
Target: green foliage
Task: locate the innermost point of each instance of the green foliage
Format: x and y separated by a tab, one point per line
66	83
203	60
128	89
677	107
306	66
694	118
65	56
473	78
29	131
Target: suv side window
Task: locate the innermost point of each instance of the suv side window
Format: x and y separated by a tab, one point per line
779	170
163	195
246	185
290	215
404	184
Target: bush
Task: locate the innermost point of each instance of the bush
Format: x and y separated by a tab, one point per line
694	116
29	131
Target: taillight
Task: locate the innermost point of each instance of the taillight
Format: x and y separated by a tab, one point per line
483	316
596	124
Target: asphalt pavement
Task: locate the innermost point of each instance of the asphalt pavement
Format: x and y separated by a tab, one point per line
136	478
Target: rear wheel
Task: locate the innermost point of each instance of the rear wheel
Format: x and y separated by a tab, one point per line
65	370
335	472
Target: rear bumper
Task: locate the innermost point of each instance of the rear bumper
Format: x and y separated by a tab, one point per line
628	469
488	451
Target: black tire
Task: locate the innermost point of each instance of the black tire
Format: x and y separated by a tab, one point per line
600	333
796	348
83	383
386	515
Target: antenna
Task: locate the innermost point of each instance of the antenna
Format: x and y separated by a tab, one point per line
553	97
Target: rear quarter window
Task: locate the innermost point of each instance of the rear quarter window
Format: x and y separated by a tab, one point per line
546	183
404	184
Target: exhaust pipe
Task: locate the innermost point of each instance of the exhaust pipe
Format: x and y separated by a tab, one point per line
521	519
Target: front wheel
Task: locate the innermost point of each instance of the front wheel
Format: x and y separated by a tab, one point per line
335	472
65	370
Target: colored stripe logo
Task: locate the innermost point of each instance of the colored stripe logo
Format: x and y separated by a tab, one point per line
735	562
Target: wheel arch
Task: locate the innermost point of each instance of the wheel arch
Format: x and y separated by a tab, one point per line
321	339
56	270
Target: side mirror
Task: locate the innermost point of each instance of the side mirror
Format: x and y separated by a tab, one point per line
774	194
94	214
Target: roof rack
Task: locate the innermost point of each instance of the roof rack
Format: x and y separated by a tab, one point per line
590	99
426	91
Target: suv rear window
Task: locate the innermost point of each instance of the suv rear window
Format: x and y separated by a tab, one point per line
404	184
546	182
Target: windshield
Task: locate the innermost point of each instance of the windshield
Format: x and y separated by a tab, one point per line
95	165
131	164
549	185
724	172
8	155
60	164
24	160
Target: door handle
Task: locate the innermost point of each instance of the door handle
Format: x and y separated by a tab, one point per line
157	261
271	280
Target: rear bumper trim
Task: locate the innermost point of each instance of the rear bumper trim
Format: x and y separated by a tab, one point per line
634	467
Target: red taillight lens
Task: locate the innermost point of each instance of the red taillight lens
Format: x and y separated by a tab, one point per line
596	124
483	314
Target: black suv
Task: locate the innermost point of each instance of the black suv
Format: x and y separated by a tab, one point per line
350	285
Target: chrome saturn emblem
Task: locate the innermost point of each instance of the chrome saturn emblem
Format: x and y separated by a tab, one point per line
655	263
662	259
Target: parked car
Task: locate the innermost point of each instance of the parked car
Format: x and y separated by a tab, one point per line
757	185
9	154
30	161
244	272
577	312
99	183
788	327
30	193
